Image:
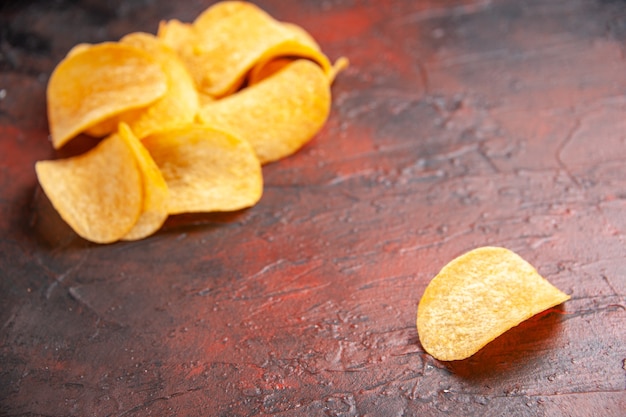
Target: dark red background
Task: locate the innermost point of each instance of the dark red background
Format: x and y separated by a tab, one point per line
459	123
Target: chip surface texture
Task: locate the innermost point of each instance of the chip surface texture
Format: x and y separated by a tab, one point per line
476	298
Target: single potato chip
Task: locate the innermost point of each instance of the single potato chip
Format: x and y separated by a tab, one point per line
279	114
229	38
177	107
97	193
299	45
476	298
94	83
206	170
81	47
266	69
179	36
155	191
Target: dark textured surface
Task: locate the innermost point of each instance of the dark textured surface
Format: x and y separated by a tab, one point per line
459	124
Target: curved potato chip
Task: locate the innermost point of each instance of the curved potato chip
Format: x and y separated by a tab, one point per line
155	191
178	106
300	34
278	115
97	193
81	47
296	50
206	169
273	57
175	33
267	69
179	36
97	82
229	38
476	298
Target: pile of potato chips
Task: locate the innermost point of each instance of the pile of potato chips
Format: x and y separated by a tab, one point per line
477	297
187	118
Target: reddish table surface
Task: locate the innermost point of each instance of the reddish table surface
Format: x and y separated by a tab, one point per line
459	123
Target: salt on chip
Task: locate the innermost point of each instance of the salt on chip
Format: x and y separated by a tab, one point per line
279	114
97	82
206	169
177	107
225	42
476	298
155	192
98	193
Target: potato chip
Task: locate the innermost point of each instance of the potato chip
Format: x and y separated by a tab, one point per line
279	114
229	38
81	47
97	82
155	191
476	298
268	68
97	193
206	169
302	41
177	107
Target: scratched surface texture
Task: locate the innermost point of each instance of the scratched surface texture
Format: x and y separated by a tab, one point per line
460	123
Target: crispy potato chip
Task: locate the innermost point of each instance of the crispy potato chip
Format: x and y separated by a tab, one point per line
268	68
81	47
155	191
206	169
97	193
274	59
229	38
97	82
476	298
278	115
176	34
177	107
300	34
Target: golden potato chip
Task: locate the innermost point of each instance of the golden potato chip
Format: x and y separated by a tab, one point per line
267	69
279	114
300	34
177	107
180	37
229	38
97	193
206	169
81	47
476	298
302	45
155	191
97	82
